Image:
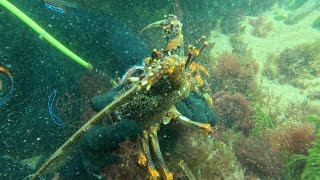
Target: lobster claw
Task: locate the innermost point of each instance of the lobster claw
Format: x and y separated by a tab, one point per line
157	24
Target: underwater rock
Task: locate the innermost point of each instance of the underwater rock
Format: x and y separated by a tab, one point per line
98	145
13	169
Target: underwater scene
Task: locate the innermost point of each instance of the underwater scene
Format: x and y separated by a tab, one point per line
176	89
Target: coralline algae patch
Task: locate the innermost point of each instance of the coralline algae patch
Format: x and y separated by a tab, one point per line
281	37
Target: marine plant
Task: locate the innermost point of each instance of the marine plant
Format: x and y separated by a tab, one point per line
294	165
297	65
257	156
208	158
126	166
262	27
233	75
312	168
293	137
262	120
315	95
205	158
233	111
284	146
315	119
299	145
240	48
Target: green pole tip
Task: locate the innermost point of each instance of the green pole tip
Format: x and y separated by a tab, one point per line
44	34
89	67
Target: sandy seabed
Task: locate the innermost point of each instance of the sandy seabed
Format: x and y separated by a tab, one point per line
282	36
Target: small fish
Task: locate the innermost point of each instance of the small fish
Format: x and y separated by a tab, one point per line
4	100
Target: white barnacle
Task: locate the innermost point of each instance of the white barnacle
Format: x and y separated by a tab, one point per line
148	87
143	83
151	74
133	79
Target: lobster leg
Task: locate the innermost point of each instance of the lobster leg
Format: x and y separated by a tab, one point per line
154	174
155	144
205	127
174	113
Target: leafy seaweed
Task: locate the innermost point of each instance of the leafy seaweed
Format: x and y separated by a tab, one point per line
312	168
262	119
294	166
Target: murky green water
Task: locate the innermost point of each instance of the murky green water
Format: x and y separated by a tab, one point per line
257	84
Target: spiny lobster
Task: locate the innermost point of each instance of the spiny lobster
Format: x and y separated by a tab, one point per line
168	77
